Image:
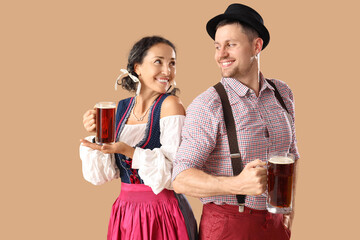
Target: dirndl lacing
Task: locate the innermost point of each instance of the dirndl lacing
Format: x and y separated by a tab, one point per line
138	213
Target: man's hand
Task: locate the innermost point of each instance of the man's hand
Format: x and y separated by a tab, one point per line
252	180
288	219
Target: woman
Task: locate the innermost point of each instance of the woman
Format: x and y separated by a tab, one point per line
147	137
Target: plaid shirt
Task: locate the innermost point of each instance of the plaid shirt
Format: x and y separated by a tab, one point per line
262	126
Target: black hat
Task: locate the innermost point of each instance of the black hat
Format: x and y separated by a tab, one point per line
243	14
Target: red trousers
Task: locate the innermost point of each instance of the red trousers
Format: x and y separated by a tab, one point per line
226	222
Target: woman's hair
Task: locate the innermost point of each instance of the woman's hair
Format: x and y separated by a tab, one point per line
137	54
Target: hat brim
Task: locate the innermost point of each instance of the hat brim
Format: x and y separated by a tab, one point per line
260	28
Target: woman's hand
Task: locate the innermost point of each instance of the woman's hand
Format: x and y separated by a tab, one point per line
118	147
89	120
91	145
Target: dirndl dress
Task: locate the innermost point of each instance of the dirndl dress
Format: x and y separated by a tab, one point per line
139	213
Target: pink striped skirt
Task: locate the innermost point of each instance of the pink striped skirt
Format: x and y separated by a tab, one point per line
140	214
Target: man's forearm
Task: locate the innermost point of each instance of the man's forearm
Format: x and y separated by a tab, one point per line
196	183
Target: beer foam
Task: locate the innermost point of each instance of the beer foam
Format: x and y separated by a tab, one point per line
281	160
105	105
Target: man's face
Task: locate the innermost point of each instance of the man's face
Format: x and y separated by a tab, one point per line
234	53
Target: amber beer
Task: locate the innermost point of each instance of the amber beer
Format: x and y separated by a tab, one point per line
105	122
280	170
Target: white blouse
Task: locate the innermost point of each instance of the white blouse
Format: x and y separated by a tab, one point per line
155	166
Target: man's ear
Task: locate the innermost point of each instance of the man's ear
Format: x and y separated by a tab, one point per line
258	44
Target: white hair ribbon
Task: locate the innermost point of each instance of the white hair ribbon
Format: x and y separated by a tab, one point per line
135	79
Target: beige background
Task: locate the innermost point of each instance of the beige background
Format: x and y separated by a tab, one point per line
60	57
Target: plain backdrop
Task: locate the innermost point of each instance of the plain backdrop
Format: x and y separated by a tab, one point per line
58	58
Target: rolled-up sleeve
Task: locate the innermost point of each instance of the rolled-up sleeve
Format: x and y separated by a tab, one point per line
198	135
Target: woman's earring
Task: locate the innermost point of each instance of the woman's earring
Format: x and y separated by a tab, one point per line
170	89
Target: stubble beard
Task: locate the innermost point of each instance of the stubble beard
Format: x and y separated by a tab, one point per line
236	73
229	73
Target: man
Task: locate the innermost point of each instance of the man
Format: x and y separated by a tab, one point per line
202	167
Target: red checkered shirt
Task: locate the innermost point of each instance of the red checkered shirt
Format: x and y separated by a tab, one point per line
262	126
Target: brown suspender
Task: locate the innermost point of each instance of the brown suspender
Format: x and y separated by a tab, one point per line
236	161
278	96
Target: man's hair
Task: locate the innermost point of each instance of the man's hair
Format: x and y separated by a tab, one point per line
250	32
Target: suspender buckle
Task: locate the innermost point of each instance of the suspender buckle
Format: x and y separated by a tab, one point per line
241	207
235	155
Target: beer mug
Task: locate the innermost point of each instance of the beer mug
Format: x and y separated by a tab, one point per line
280	182
105	122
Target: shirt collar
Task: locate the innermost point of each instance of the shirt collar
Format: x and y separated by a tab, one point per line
265	84
241	89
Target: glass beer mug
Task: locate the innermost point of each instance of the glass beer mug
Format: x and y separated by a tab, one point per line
105	123
280	182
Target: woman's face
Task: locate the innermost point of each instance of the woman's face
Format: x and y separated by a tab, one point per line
158	69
